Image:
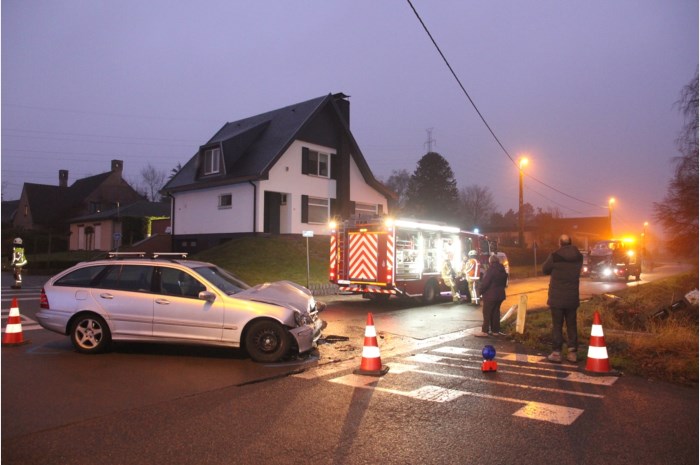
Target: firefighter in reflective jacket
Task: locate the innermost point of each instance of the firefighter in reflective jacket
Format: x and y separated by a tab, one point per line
449	277
18	261
471	272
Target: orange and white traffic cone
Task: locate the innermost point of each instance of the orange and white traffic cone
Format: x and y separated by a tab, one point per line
371	364
598	363
13	331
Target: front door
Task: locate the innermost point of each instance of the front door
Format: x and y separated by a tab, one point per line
271	215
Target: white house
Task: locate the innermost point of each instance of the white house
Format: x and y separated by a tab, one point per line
281	172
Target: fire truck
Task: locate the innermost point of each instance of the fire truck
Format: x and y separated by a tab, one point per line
614	259
379	256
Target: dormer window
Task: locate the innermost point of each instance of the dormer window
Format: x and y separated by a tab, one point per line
212	161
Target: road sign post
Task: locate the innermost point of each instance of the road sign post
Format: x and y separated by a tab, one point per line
307	235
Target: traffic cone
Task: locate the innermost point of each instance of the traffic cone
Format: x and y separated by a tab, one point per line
13	331
371	364
598	363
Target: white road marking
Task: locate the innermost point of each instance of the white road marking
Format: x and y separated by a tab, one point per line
570	374
531	410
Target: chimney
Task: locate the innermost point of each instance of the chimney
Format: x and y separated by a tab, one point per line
117	165
341	100
62	178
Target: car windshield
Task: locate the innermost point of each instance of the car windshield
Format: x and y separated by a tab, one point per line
222	279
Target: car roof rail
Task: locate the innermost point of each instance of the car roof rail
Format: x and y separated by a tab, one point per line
169	254
153	255
126	254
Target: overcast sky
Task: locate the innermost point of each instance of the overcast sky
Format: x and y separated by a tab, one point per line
585	89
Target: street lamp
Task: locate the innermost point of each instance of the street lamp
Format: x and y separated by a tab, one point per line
611	201
521	214
644	242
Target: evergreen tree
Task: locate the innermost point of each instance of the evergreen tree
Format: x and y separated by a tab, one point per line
432	191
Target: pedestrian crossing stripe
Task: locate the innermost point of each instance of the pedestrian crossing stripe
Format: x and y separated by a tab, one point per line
541	411
560	375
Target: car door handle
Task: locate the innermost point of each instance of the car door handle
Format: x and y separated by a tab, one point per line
107	296
163	301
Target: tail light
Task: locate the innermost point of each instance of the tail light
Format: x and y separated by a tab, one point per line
43	300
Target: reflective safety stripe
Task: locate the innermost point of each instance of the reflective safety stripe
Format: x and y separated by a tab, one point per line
597	330
370	352
597	352
370	331
13	328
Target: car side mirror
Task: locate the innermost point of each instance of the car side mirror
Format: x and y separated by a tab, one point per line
207	295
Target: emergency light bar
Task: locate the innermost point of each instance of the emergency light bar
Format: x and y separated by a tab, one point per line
426	226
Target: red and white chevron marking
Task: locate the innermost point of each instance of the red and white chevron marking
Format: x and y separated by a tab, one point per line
334	258
389	257
362	257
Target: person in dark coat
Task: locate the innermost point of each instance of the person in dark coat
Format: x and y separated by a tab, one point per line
564	269
493	293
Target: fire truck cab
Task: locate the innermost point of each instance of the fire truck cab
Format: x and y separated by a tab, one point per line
614	259
381	256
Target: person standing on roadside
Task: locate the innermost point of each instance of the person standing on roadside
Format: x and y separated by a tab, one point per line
564	269
493	293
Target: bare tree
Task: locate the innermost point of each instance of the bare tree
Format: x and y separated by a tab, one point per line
153	181
678	212
477	205
398	182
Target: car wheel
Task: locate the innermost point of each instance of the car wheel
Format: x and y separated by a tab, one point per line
430	292
267	341
90	334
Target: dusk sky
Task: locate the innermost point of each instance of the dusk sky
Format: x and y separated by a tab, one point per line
585	89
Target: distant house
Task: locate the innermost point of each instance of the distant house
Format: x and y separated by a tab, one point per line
281	172
125	224
48	208
584	232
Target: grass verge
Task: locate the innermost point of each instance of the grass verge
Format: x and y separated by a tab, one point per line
638	340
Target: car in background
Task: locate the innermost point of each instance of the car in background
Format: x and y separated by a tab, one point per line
169	299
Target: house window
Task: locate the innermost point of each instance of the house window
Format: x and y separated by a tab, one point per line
225	201
318	210
365	209
315	163
212	161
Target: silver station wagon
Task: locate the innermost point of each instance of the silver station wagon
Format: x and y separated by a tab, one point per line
167	298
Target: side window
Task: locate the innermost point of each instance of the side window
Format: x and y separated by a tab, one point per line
82	277
178	283
136	278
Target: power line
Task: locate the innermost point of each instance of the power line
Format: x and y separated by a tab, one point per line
464	90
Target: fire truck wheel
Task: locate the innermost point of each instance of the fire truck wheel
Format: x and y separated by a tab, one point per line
430	292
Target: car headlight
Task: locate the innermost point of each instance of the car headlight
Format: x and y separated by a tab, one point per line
312	304
303	319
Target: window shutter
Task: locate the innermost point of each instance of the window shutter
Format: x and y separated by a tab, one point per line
304	160
335	166
304	208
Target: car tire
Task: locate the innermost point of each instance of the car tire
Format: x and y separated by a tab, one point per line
90	334
430	292
267	341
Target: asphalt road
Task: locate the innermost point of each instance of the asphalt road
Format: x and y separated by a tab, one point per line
146	404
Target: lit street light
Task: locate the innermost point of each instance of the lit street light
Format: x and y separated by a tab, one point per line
521	214
610	209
